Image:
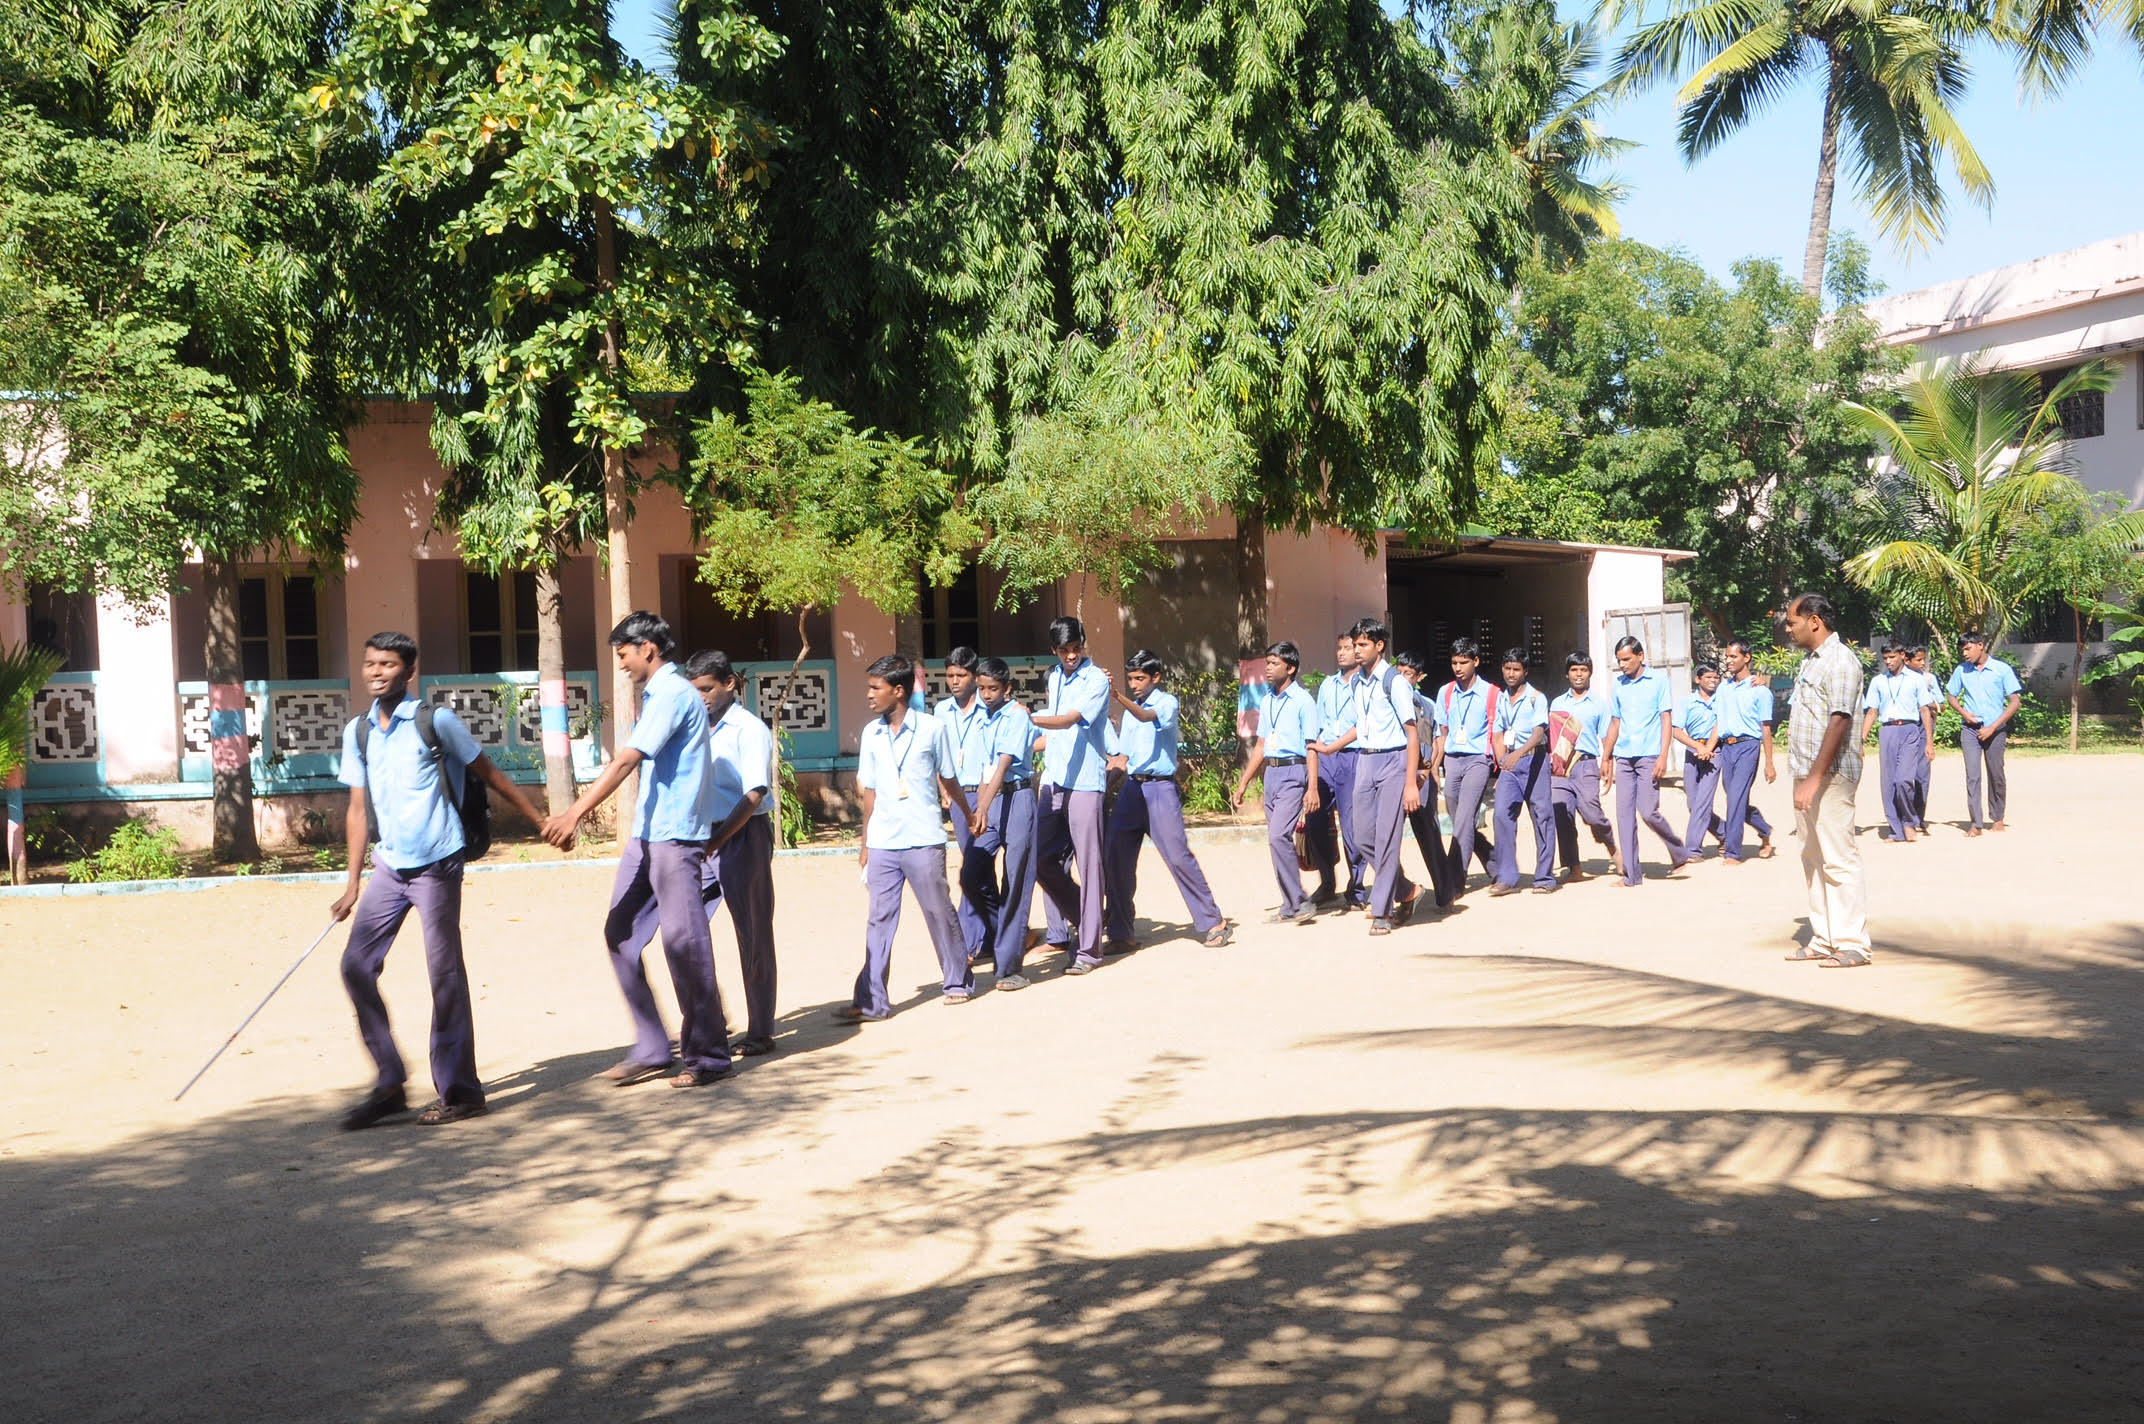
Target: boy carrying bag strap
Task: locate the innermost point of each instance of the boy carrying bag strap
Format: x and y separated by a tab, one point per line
1490	727
472	807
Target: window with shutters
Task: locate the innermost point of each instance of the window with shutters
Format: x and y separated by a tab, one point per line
279	627
2082	415
499	616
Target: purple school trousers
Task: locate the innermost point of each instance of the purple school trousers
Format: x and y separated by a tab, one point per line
974	926
1380	782
1284	790
922	869
1989	752
1154	809
435	892
1738	773
1332	830
658	886
1637	798
1526	783
1901	746
1577	798
1069	826
1466	781
1700	788
1002	903
742	873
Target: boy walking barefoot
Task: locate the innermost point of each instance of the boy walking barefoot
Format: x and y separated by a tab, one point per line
1521	751
658	882
905	762
407	767
1577	795
1635	754
1075	775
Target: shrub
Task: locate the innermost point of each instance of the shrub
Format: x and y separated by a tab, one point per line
136	851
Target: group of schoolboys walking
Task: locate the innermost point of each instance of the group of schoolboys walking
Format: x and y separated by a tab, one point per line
1343	772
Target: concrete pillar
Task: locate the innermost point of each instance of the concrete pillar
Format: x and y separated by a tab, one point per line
137	692
862	635
397	495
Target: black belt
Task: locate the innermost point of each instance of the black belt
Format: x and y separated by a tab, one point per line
1344	751
1903	722
1021	785
1284	761
1153	776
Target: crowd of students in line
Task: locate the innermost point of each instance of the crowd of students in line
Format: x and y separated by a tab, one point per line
1343	771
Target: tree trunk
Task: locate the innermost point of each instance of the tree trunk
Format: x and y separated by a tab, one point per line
551	692
230	748
773	719
1827	177
1251	607
2077	681
622	710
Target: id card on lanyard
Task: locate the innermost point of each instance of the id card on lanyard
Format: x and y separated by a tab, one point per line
900	763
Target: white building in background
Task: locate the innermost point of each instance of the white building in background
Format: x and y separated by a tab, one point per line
2048	315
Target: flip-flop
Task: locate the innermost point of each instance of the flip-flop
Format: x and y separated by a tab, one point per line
1806	952
1846	959
626	1074
850	1014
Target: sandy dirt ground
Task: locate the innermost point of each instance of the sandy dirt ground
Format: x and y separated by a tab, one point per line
1600	1155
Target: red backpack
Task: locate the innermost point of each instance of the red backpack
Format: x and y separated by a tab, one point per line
1489	727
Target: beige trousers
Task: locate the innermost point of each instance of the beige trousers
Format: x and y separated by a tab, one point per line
1831	864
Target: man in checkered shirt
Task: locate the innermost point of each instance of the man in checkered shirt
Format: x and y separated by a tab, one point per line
1824	758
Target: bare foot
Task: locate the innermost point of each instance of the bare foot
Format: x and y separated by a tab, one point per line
1998	826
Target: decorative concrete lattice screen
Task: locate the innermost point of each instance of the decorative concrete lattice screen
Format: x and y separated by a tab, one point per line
482	709
63	726
308	721
1030	681
529	724
193	722
811	701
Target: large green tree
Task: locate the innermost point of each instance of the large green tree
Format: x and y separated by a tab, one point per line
175	258
533	177
1714	412
1892	72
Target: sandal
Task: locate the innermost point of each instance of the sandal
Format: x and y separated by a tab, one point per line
699	1077
443	1112
752	1045
850	1014
1846	959
626	1074
956	996
1808	952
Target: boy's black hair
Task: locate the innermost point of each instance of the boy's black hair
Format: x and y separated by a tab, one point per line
961	658
710	662
1629	643
1064	632
1976	636
1144	661
1815	605
1738	643
402	645
1287	652
1894	646
1466	648
644	627
1412	660
894	669
1703	668
1516	655
996	669
1374	629
1578	659
1916	650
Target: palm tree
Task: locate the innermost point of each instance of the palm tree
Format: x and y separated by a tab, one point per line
2053	37
1565	151
1891	73
1976	461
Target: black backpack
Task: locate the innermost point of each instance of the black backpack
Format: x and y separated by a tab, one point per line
473	805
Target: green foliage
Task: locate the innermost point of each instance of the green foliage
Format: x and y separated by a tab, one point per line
1964	520
23	670
174	295
1711	413
794	817
1556	504
1210	750
135	851
2123	665
792	505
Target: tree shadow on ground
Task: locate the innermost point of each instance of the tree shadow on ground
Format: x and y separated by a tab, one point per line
1482	1265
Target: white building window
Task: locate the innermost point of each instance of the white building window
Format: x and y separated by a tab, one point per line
2081	416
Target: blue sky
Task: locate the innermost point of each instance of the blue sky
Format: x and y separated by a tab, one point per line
2067	172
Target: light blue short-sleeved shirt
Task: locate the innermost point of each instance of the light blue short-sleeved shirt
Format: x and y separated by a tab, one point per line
1382	713
1896	696
417	825
1743	707
1287	721
1464	713
1699	716
971	738
677	781
911	760
1149	748
1336	707
1931	690
1984	690
741	748
1012	733
1638	703
1077	757
1517	714
1591	712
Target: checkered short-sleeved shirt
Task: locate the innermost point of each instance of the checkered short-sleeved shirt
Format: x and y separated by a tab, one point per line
1829	683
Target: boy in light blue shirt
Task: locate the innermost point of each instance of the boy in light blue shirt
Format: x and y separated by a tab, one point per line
1634	754
1069	811
1332	832
1429	837
1520	747
1697	728
1575	757
1896	707
1932	695
413	791
1286	751
1150	805
1461	760
962	712
905	761
1744	705
1986	694
658	881
1388	777
1003	819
